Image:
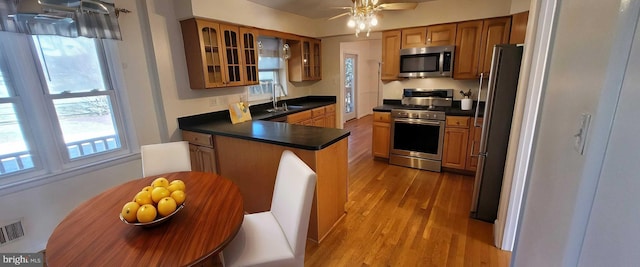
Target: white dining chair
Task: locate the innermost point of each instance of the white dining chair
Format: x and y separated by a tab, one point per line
277	237
165	157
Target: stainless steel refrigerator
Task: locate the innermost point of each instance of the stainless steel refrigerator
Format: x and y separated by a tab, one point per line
496	126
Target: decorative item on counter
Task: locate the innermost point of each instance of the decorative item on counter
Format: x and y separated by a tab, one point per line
466	102
239	112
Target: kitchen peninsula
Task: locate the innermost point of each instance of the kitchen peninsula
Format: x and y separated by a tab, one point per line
248	154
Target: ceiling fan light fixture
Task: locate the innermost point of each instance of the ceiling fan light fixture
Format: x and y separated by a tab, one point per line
373	21
351	23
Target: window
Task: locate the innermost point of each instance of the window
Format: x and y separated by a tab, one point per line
271	70
73	118
14	154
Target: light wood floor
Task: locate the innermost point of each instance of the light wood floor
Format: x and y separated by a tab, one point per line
399	216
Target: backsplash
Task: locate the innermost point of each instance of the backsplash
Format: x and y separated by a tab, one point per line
393	90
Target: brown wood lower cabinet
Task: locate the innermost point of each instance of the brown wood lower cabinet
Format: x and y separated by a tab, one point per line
475	134
330	114
203	156
324	116
455	144
461	143
381	136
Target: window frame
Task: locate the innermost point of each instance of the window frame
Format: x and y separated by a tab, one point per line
43	133
280	75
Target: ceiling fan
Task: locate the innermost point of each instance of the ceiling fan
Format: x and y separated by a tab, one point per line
363	13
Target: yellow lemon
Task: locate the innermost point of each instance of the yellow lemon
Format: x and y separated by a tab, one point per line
166	206
178	196
130	211
160	182
158	193
147	188
142	198
146	213
173	187
179	183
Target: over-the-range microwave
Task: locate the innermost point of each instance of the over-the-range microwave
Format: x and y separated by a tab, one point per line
432	61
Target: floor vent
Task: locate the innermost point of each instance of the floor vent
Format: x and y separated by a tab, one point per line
11	232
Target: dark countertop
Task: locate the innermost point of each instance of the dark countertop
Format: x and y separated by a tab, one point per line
260	130
454	110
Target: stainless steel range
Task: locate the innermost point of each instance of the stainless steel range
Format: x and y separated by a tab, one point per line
417	129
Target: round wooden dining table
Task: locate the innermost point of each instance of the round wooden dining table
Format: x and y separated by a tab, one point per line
93	235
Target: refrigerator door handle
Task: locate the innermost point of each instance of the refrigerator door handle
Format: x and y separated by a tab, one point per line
475	120
488	109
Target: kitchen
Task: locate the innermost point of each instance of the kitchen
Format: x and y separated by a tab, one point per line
171	98
155	72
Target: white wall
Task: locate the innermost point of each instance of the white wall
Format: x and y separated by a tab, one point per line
612	235
518	6
248	13
549	232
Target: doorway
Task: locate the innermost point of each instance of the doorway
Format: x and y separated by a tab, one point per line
350	86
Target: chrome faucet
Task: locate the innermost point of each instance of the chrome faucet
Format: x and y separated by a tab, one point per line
274	98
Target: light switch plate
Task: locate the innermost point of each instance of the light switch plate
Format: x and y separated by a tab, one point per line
581	134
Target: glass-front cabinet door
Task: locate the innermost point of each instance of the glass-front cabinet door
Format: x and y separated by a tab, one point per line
214	72
249	46
306	59
232	58
317	69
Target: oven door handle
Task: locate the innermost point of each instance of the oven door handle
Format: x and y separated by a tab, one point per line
415	121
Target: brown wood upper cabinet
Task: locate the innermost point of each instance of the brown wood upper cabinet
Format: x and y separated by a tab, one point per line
249	43
474	45
494	31
216	53
414	37
518	27
444	34
468	38
305	64
391	41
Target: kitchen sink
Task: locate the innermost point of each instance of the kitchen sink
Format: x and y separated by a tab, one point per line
292	107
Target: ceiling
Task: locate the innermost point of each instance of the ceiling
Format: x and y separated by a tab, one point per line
316	9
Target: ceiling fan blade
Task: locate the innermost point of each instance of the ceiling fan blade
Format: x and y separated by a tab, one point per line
341	15
341	7
397	6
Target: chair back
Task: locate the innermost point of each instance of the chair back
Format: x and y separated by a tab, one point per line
165	157
292	198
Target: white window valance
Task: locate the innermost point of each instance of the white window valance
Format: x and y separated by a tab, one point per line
70	18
